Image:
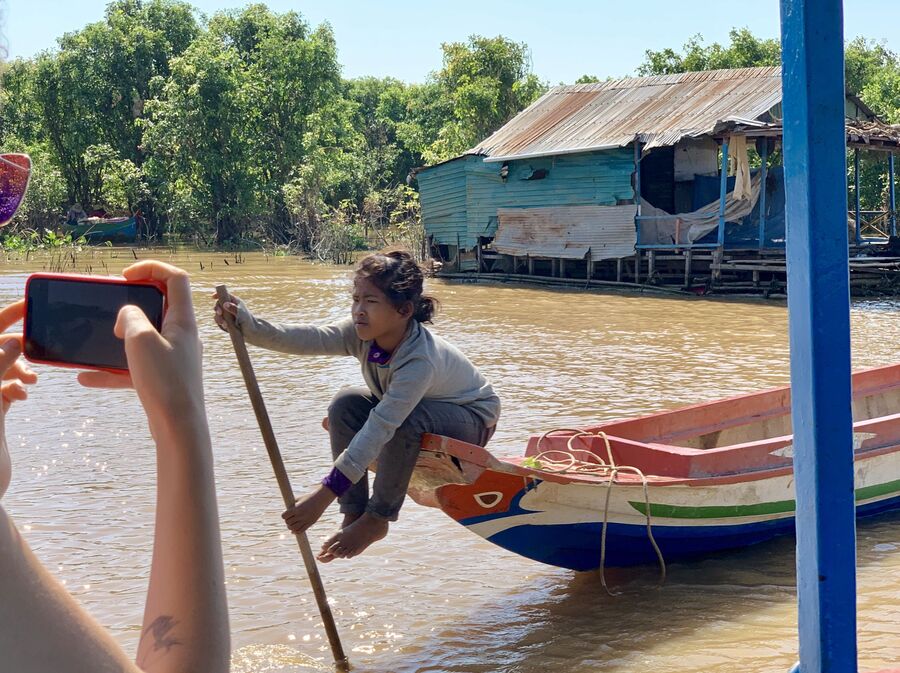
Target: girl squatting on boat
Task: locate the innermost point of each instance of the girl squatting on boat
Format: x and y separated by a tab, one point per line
416	383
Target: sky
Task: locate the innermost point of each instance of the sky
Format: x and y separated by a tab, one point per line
567	38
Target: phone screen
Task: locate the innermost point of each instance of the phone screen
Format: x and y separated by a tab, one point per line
71	321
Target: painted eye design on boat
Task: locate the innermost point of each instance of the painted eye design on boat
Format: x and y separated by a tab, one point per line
488	499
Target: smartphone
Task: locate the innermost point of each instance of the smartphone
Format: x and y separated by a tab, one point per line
69	318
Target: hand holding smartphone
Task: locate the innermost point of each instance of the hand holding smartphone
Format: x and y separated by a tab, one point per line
69	318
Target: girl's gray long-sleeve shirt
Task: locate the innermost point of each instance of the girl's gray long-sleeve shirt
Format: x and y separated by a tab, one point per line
424	366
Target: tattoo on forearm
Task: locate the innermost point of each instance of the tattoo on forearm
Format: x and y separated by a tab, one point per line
161	631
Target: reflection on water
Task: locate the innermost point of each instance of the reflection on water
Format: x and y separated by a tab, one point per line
433	597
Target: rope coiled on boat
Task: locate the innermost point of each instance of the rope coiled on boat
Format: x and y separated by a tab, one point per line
608	469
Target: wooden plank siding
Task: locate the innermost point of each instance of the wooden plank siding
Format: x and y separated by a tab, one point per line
442	193
462	197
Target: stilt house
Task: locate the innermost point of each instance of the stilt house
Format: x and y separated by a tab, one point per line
592	176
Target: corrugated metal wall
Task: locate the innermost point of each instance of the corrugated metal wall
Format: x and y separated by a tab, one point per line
567	232
462	196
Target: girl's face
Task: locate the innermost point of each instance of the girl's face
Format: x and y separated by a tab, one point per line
375	317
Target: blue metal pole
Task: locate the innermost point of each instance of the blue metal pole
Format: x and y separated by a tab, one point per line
891	191
763	172
819	305
723	191
856	192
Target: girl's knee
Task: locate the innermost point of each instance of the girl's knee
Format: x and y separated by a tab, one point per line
346	399
412	429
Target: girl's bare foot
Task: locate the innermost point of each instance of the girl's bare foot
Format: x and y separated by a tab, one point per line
308	509
354	539
348	521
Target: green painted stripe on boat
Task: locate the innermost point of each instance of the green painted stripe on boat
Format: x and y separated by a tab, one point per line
759	509
715	511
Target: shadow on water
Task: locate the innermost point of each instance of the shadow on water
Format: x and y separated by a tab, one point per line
735	608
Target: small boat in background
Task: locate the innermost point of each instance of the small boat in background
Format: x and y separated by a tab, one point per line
105	229
680	483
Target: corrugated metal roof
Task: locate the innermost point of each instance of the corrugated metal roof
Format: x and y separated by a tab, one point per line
657	110
567	232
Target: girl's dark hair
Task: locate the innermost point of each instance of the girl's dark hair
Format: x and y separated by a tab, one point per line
396	273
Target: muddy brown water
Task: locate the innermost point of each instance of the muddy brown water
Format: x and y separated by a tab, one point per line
433	597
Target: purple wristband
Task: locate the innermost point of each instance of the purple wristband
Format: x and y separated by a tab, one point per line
337	482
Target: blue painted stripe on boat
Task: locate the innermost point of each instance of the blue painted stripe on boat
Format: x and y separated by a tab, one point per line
577	546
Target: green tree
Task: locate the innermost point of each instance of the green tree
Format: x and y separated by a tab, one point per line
20	115
93	91
745	51
21	130
198	139
393	136
873	72
486	82
46	196
426	110
296	102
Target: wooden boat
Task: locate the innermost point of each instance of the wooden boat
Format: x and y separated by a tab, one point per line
105	229
693	481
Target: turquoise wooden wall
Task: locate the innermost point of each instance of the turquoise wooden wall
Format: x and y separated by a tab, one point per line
442	194
461	197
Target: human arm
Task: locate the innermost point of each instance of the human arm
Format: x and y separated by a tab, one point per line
185	626
302	339
42	628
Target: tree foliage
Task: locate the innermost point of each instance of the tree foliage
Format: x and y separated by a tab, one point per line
197	136
484	83
241	125
745	51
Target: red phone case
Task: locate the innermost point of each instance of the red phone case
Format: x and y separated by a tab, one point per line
111	280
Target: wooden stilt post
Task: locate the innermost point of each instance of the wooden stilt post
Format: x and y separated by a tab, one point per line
618	269
688	258
892	198
717	257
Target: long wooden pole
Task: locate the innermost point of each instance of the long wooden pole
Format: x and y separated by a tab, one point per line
284	484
